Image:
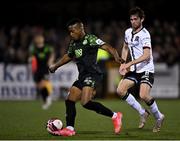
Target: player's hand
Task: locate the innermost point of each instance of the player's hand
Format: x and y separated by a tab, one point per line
123	69
52	68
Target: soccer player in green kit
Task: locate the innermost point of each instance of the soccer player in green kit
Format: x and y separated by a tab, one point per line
83	49
41	55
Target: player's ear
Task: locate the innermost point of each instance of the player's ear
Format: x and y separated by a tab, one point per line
142	20
81	26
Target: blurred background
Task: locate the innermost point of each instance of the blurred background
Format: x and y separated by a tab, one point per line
108	19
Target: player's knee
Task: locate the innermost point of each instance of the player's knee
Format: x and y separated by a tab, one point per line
84	102
143	97
72	97
121	92
125	96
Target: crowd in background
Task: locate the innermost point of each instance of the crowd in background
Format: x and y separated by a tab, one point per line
16	40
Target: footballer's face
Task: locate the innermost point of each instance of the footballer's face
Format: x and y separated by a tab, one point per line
76	31
136	21
39	41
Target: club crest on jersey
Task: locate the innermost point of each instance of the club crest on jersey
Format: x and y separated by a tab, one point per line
99	42
135	42
85	42
136	39
78	53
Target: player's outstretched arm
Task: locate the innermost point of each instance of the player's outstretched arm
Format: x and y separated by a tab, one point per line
51	58
65	59
113	52
145	56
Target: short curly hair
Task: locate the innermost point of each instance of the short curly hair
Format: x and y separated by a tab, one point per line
73	21
137	11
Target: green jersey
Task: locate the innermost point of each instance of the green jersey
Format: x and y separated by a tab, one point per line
85	53
42	55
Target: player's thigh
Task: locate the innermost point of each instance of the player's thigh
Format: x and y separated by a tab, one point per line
124	85
40	84
87	94
145	92
41	80
46	84
146	83
43	83
74	94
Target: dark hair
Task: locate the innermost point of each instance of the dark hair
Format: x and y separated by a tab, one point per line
73	21
137	11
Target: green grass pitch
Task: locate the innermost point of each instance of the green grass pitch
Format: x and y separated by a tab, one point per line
25	120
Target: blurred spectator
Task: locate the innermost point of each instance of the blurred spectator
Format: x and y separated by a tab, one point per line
14	41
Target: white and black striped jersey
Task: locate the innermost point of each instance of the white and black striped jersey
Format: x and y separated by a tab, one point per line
136	43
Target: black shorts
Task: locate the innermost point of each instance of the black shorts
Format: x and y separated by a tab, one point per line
138	78
90	80
40	76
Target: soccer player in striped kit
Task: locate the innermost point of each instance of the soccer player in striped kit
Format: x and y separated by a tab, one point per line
141	69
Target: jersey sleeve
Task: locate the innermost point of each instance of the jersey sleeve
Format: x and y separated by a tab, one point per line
70	51
125	38
31	50
146	40
48	49
51	49
94	41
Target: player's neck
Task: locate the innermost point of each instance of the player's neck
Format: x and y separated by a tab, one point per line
82	35
137	29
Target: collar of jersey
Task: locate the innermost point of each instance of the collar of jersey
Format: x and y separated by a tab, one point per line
82	39
136	32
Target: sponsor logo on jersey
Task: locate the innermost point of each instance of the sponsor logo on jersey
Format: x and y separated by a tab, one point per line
78	53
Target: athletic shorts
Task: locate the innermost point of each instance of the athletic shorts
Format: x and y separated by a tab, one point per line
138	78
90	80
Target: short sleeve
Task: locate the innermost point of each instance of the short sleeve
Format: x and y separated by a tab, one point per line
95	41
125	38
146	40
31	50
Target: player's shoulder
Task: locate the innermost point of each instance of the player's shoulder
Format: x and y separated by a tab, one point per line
48	47
145	32
90	36
90	39
93	40
32	49
71	43
128	31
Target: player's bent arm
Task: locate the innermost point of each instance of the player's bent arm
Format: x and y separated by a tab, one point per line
145	56
64	60
51	58
29	60
125	51
113	52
